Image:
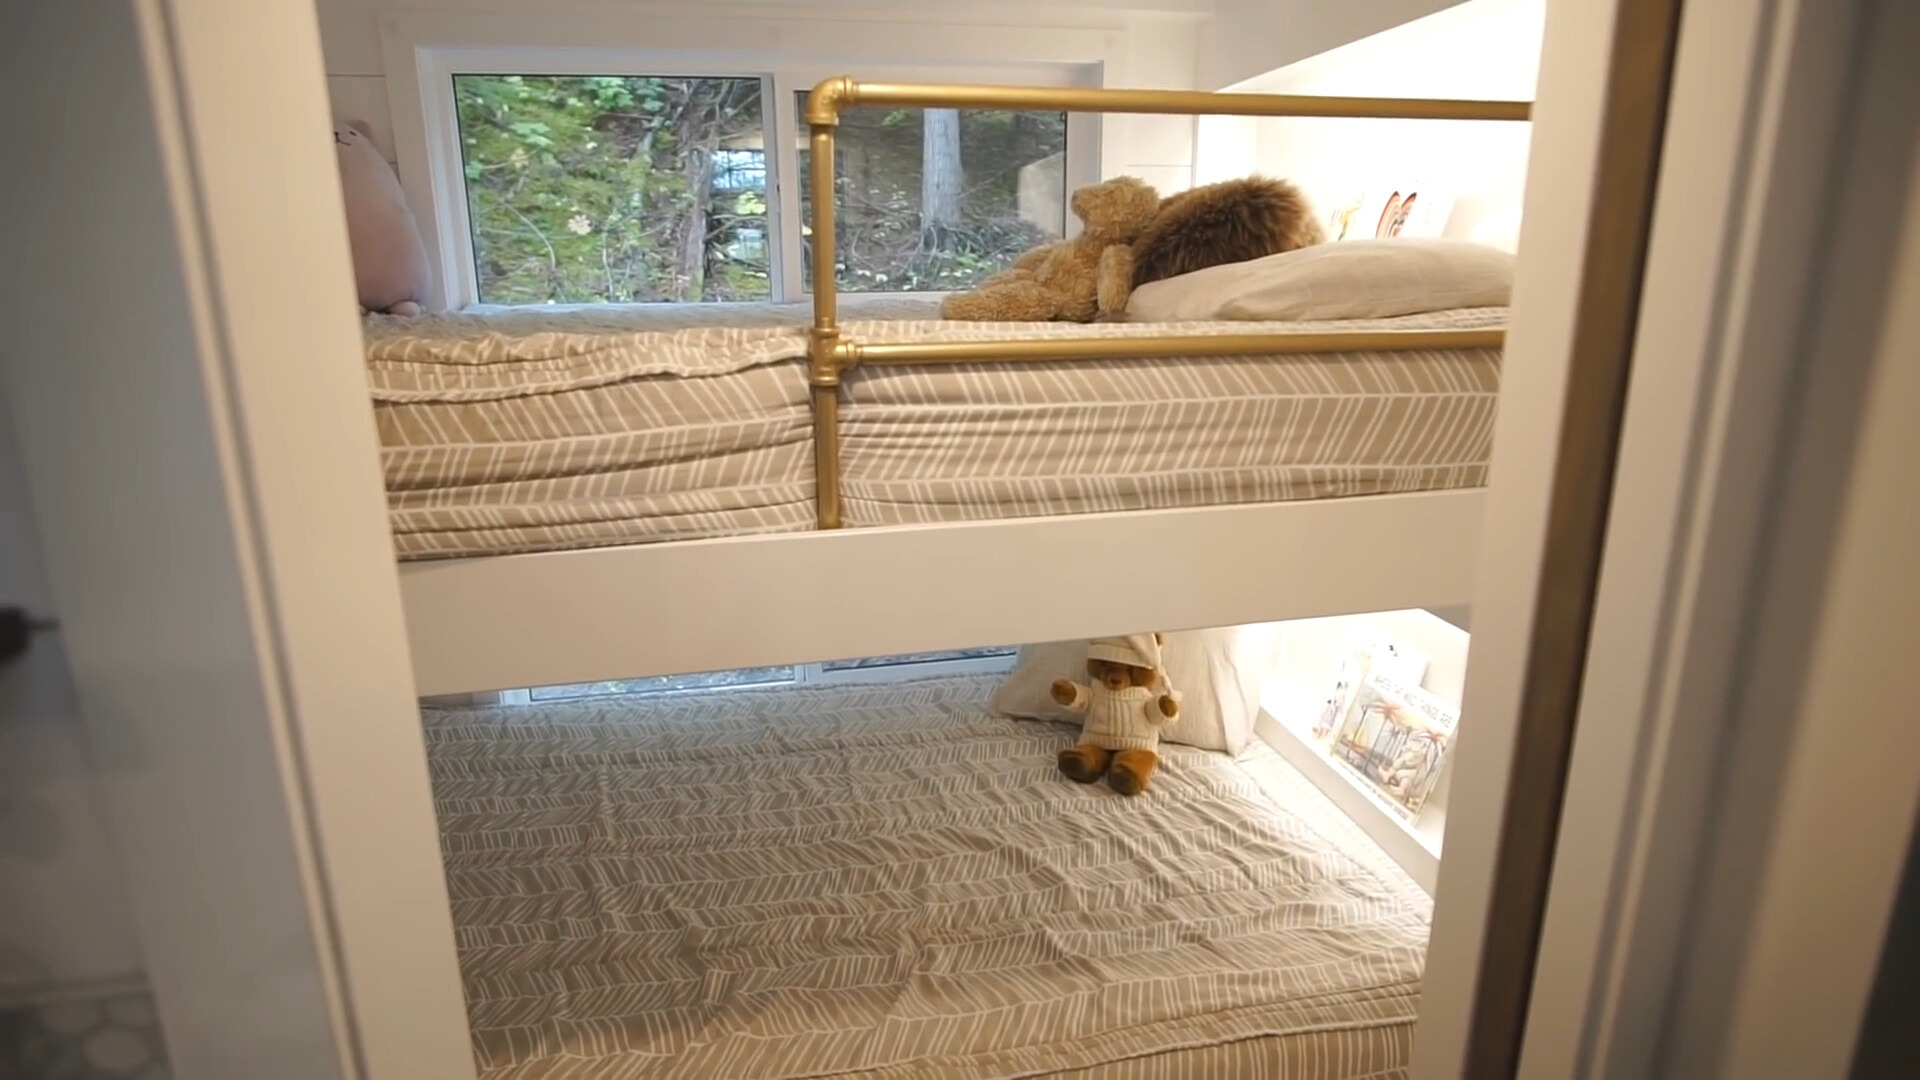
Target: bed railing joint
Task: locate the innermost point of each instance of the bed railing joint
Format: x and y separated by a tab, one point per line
829	97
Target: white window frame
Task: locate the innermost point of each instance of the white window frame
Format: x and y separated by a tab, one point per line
426	115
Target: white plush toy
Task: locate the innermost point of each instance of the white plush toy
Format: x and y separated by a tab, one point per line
1125	705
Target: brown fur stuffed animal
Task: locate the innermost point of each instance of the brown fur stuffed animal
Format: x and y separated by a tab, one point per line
1126	704
1133	236
1228	222
1058	282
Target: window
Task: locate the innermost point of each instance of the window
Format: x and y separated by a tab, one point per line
586	188
986	660
937	199
746	678
600	189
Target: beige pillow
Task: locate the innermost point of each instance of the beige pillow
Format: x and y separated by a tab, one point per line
1346	279
390	268
1219	674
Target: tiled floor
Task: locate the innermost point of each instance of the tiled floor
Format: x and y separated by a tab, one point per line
116	1038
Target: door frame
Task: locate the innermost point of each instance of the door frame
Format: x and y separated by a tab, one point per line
1659	863
204	474
1750	636
1599	113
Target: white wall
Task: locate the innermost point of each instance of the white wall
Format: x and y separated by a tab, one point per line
66	925
1469	174
1247	37
1152	43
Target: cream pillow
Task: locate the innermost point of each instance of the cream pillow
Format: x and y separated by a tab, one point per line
1345	279
1219	674
390	269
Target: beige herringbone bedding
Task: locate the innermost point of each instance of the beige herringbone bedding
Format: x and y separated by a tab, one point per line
888	882
526	432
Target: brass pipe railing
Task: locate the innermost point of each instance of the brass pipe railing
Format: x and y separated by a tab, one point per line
853	353
828	99
830	355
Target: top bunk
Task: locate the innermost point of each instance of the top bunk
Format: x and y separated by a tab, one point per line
1335	370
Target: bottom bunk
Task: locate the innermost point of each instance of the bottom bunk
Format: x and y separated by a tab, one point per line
891	882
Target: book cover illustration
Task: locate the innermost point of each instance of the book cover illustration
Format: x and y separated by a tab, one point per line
1366	650
1395	737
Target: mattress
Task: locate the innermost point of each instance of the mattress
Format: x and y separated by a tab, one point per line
887	882
535	431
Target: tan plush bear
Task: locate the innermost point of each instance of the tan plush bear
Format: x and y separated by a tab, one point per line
1059	282
1126	704
1131	237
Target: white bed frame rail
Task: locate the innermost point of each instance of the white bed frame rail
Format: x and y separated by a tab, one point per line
707	605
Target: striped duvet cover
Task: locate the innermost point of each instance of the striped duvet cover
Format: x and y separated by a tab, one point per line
517	431
887	882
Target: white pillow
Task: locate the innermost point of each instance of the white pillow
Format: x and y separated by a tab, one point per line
1219	674
1344	279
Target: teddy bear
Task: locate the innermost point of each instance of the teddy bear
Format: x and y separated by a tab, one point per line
1058	282
1126	703
1132	236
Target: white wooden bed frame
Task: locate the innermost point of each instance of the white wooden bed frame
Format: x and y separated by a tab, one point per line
490	623
705	605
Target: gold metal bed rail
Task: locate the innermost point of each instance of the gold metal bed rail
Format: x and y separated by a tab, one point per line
831	355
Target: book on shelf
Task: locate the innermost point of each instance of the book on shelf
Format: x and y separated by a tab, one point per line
1395	737
1365	651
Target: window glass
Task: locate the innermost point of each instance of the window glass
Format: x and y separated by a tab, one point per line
605	189
667	684
903	659
938	199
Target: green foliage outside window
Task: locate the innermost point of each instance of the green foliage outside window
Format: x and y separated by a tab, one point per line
931	200
601	189
604	189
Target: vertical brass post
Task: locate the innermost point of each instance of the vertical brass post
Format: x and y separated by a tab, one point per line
823	369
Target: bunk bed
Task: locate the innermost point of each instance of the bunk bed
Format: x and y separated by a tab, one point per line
867	481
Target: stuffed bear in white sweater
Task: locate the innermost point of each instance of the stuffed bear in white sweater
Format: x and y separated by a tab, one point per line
1126	704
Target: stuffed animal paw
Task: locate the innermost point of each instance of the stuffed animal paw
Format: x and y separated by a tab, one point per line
1130	771
1083	764
1012	300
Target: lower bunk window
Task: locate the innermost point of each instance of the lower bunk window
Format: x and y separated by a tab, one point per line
891	668
917	659
667	684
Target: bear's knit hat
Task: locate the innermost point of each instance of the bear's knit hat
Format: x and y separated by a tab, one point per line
1135	650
